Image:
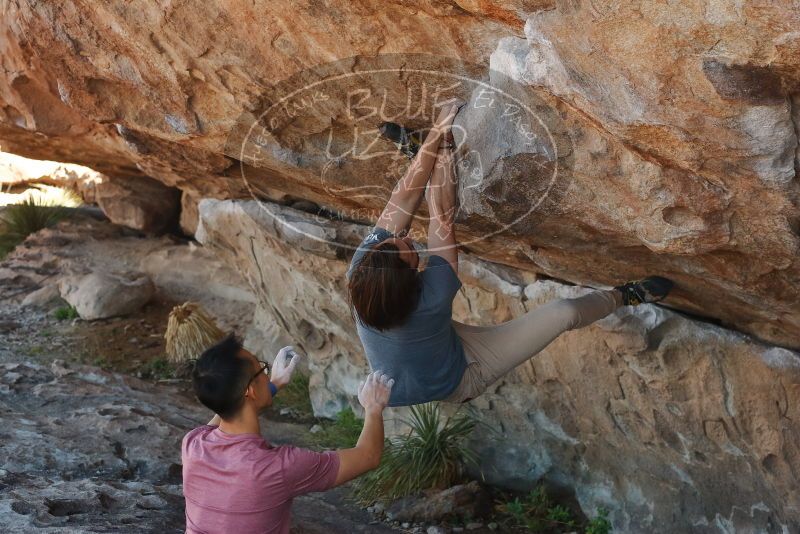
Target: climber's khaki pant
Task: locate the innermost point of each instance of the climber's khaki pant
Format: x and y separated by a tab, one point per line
493	351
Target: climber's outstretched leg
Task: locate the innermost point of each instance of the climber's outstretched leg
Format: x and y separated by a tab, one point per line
493	351
500	348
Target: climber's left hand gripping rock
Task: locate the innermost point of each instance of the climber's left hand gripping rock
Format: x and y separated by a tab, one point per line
284	365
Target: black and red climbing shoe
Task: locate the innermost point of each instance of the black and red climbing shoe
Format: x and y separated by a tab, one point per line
650	289
407	141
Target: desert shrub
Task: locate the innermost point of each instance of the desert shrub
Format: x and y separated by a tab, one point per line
157	369
536	512
66	313
599	524
433	455
43	207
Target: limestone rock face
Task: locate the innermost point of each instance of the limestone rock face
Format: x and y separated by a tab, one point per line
297	275
189	215
101	295
139	203
645	412
45	297
17	172
672	126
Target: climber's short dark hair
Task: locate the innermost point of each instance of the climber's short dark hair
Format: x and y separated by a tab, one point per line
220	376
383	288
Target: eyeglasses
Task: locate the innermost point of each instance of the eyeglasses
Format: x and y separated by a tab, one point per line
264	367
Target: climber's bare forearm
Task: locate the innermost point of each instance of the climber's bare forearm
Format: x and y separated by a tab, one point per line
442	200
446	181
407	195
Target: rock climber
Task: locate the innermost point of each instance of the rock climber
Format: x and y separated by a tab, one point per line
404	315
233	479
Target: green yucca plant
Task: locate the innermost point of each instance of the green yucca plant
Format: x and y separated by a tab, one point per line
42	207
49	195
432	455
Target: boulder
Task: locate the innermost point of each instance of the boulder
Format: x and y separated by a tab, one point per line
604	141
102	295
17	172
44	297
181	270
189	215
142	204
462	500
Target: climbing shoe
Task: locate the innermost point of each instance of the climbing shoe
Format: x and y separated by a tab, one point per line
650	289
407	141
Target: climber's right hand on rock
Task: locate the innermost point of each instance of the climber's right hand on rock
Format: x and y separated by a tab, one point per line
447	113
373	393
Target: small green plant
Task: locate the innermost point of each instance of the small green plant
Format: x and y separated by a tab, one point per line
42	207
560	514
295	397
536	512
102	363
7	243
157	369
432	455
36	350
66	313
599	524
342	432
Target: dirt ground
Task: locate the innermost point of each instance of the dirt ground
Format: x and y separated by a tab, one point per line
80	364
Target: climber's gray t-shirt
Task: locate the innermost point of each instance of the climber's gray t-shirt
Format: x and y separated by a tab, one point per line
424	355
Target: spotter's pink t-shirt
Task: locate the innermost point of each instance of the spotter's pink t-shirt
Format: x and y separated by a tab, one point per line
241	484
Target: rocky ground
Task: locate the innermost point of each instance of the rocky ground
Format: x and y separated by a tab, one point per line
92	418
89	450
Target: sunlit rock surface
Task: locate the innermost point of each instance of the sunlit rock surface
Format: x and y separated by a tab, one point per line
18	173
674	124
140	203
674	424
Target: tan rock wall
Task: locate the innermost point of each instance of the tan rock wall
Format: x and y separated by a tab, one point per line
675	425
678	123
